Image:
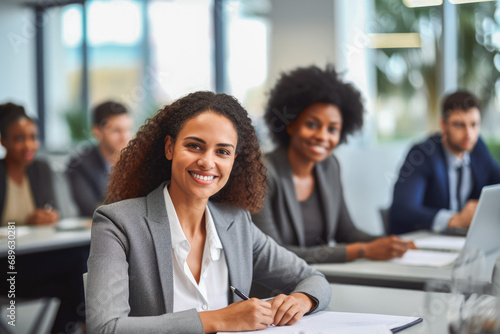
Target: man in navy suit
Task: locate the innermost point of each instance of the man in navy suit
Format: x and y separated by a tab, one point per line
88	170
441	179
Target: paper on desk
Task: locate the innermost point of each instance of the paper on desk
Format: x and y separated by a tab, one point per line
440	242
341	323
20	231
418	257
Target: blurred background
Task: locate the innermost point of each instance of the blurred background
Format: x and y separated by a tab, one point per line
59	58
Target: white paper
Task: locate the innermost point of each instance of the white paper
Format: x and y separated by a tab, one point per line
418	257
20	231
439	242
341	323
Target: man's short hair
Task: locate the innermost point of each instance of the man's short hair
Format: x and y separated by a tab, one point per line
106	110
460	100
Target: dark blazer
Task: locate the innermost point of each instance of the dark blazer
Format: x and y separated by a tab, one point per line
40	177
130	276
281	217
88	177
422	188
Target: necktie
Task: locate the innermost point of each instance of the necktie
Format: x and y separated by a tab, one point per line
459	186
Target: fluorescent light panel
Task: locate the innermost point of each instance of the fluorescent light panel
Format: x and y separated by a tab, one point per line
398	40
422	3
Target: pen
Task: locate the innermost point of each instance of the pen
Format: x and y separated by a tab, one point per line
239	293
242	296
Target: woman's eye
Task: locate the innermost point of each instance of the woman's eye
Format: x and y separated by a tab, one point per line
311	125
193	146
224	152
19	139
332	129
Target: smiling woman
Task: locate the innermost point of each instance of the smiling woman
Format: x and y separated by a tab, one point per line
305	210
26	192
176	234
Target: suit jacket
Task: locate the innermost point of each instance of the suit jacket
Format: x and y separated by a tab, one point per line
422	188
40	178
281	217
88	177
130	276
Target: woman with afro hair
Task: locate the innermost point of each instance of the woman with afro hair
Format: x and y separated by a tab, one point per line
310	112
176	232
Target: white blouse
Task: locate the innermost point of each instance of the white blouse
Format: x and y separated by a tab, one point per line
212	291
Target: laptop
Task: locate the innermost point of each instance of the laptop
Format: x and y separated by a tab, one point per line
484	230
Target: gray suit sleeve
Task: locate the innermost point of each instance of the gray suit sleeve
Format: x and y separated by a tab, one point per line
107	295
279	269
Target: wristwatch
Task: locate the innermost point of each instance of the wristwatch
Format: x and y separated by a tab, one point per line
361	252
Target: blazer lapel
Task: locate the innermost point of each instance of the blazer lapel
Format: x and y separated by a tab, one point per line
223	224
157	220
286	178
327	198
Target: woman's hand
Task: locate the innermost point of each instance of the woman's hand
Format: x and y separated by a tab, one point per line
386	248
246	315
43	217
287	310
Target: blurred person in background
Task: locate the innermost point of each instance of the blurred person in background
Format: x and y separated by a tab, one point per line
309	113
27	197
441	179
26	189
88	171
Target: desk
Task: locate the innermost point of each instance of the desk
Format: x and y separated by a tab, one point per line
382	273
363	299
47	238
50	261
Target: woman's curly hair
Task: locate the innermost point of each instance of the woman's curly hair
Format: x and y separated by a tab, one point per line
298	89
143	167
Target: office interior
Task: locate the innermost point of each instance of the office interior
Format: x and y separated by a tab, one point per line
59	58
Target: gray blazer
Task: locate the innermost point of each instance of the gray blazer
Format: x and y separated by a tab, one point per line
281	217
130	277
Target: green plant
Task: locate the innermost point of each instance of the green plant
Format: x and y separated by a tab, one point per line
76	119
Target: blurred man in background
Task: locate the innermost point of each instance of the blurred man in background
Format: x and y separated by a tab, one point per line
88	172
441	179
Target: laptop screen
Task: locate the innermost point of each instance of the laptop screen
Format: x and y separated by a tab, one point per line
484	231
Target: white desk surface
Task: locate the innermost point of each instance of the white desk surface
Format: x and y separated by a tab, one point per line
365	299
384	273
47	238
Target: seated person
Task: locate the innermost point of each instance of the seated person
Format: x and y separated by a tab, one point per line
441	179
176	234
88	171
26	189
27	197
310	111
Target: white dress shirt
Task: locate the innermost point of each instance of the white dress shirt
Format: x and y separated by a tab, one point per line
212	291
443	216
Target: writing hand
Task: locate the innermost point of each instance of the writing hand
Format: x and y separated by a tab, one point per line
43	217
246	315
386	248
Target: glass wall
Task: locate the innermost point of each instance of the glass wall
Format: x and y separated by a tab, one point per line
410	81
407	78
